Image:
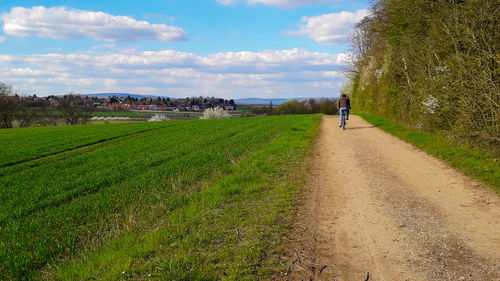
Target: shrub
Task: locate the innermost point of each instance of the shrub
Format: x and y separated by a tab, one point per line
432	65
292	107
217	113
311	106
159	117
328	107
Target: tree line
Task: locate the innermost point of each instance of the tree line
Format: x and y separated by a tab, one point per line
18	111
432	65
310	106
166	101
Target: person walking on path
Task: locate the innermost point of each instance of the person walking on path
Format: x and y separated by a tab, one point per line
344	105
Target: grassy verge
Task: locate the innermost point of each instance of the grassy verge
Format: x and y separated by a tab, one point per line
478	163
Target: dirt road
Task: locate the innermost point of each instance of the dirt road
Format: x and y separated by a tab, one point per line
378	205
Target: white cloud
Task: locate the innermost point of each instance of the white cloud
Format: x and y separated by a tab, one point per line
330	29
290	3
64	23
9	59
3	39
336	74
104	46
272	73
226	2
279	3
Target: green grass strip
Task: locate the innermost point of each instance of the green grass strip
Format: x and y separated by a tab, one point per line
478	163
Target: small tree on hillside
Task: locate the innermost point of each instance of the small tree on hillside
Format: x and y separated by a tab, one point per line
8	107
74	109
217	113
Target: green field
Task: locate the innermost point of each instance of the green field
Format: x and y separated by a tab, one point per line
178	200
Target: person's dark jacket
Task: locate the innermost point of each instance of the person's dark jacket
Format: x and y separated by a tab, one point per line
344	102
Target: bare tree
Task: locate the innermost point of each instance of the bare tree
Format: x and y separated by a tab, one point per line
25	116
48	116
7	106
74	109
6	90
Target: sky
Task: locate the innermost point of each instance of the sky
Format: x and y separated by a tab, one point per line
178	48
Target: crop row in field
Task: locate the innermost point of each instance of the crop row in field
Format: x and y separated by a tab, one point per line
24	144
60	204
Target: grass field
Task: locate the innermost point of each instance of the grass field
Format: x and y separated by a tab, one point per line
179	200
28	143
478	163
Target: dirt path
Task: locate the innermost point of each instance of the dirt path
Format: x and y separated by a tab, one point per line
378	205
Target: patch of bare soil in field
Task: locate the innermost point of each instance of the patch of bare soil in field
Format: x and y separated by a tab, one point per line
379	209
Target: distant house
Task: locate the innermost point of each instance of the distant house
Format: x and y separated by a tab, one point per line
229	107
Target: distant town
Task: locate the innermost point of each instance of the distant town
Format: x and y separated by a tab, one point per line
130	102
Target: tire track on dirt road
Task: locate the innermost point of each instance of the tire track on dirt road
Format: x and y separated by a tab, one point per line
378	205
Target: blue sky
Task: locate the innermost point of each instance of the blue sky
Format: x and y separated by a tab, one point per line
178	48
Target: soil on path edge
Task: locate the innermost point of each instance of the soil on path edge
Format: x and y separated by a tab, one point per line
377	205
